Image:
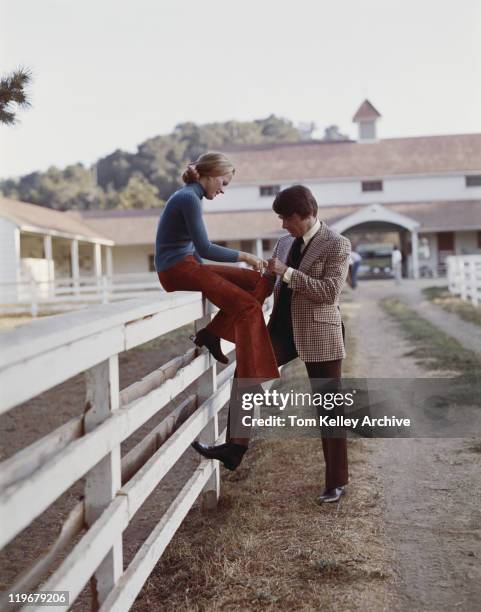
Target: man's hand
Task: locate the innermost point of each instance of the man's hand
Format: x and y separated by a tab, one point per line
276	266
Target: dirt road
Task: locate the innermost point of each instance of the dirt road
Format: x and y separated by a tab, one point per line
432	487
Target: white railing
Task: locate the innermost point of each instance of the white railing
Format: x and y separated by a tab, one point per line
464	277
35	358
36	297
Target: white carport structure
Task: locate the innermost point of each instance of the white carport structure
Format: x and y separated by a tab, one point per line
376	213
27	250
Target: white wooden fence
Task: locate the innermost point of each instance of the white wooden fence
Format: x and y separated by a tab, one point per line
37	297
35	358
464	277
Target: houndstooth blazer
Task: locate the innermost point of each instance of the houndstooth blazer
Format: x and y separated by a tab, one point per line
316	286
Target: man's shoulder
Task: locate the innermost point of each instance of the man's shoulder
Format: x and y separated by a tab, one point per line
285	239
335	239
283	242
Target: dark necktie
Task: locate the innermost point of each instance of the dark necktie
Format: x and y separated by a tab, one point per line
281	320
295	254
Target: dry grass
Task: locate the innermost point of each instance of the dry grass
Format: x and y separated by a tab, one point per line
434	349
452	303
270	546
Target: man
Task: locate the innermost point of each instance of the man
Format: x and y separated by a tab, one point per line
307	271
396	264
354	263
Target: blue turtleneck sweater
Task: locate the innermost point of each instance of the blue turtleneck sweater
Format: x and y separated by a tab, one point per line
181	231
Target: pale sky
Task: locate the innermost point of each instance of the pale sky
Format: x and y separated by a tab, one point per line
110	73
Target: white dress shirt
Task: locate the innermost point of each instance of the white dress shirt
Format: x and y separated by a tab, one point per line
305	238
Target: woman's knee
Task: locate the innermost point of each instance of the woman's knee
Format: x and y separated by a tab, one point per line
252	306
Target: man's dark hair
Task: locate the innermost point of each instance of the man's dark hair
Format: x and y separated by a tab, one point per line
296	199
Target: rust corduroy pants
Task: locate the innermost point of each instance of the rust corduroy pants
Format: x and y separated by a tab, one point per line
239	294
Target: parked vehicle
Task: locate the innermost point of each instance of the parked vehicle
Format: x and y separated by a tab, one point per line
376	260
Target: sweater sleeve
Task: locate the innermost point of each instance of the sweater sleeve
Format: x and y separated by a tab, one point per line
192	212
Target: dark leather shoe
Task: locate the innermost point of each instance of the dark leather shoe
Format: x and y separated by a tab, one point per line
212	343
331	495
229	454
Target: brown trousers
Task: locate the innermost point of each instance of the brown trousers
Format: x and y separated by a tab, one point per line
322	374
334	448
238	293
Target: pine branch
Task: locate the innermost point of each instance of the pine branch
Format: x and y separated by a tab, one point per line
12	91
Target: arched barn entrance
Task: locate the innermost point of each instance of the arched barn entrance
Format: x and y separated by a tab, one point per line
380	228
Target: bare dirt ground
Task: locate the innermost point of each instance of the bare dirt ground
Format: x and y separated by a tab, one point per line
432	487
30	421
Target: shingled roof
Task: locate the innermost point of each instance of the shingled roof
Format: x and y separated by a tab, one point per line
139	227
366	111
42	219
317	160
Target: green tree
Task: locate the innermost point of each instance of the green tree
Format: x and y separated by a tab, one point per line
139	193
148	177
13	93
331	132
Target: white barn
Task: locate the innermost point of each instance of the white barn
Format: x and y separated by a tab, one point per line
423	192
37	243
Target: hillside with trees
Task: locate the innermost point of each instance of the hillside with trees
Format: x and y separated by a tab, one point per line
144	179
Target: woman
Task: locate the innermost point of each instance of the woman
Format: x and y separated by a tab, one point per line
181	242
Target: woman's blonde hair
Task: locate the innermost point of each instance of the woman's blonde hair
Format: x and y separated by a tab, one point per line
208	164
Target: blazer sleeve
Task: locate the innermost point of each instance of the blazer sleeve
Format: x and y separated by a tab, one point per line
325	290
269	278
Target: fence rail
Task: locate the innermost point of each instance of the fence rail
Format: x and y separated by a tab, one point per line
464	277
35	297
35	358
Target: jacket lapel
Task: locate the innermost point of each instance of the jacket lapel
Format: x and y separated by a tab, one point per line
315	248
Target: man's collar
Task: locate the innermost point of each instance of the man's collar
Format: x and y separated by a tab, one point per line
310	233
199	190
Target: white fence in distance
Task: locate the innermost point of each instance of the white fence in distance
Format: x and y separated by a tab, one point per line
464	277
35	358
36	297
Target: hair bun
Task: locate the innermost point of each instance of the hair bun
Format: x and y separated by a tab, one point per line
191	174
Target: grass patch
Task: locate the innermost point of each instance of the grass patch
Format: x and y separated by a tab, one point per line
454	304
270	546
432	347
475	448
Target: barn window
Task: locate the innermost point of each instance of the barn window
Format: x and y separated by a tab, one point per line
269	190
474	180
371	185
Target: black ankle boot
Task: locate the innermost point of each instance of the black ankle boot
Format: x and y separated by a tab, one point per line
212	343
230	454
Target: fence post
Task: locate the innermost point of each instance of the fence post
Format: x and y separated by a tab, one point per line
33	298
206	386
450	273
462	279
473	281
105	290
104	480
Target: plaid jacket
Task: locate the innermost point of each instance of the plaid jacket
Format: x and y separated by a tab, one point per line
316	285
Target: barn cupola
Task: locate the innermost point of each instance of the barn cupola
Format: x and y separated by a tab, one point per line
366	117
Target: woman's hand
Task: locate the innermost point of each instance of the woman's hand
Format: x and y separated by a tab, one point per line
252	260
